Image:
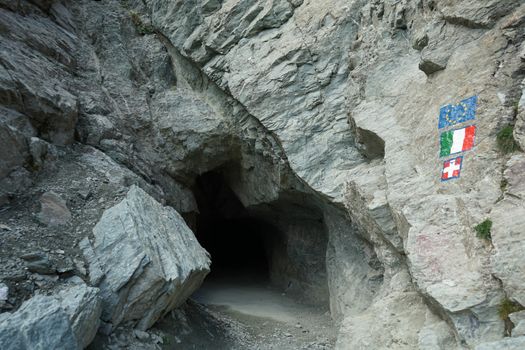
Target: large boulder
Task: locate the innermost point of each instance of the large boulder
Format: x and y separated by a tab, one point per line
67	320
39	324
83	306
150	260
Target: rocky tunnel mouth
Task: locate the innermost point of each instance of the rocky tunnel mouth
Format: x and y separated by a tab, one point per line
237	242
279	245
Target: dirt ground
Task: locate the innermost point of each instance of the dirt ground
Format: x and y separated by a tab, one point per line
242	314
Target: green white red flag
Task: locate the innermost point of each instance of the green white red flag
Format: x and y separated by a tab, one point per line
456	141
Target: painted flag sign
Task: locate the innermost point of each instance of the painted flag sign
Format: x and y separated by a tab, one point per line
455	141
454	114
451	168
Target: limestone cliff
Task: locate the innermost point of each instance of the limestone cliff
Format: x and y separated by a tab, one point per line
322	116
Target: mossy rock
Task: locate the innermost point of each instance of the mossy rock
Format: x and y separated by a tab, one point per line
505	139
483	229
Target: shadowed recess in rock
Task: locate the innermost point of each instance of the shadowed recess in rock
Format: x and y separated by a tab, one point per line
282	243
237	242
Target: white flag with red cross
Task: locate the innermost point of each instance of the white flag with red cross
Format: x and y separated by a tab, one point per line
451	169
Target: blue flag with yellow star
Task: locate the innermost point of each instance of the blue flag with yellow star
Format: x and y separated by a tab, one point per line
455	114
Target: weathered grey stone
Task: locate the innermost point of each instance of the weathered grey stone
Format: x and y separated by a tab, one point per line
294	78
420	40
54	211
365	198
14	149
505	344
4	294
41	323
15	128
436	335
431	65
17	181
519	127
38	150
383	319
67	320
141	335
36	70
472	14
95	269
442	40
150	259
83	306
508	236
96	128
519	329
39	262
272	86
518	319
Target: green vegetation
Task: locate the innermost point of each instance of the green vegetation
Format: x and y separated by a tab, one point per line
166	340
142	27
505	139
503	185
516	107
507	307
483	229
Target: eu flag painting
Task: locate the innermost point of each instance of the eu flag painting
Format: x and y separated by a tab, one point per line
450	115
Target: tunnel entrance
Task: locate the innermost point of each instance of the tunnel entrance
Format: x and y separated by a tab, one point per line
239	244
268	266
282	243
236	246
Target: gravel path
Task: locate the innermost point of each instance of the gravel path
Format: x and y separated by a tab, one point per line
247	315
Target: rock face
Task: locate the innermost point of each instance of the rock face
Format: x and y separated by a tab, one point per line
518	319
508	236
150	260
37	62
68	320
506	344
327	107
36	71
83	306
39	323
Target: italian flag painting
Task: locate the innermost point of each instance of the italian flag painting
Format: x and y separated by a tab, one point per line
456	141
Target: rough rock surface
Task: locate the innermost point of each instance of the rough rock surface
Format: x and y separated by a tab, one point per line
83	306
508	235
66	320
37	63
150	260
53	210
518	319
327	107
506	344
39	324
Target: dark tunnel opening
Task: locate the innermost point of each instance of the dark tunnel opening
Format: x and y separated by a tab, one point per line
239	244
268	262
235	246
279	245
